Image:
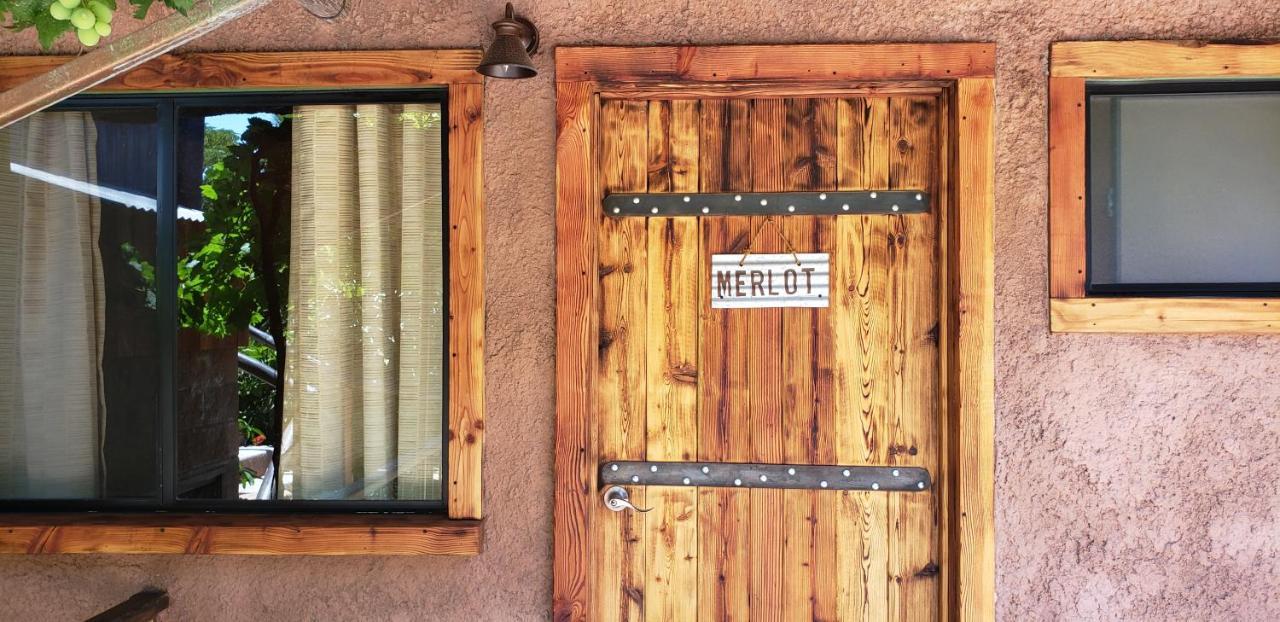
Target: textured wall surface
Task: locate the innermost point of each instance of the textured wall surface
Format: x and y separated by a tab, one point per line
1138	477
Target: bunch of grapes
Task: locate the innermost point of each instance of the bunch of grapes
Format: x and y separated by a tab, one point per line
91	19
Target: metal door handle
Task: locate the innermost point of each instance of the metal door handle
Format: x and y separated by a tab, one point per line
617	499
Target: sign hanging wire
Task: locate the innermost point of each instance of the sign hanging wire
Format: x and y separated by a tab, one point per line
768	220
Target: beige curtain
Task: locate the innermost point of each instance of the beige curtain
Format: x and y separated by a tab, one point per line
52	310
363	400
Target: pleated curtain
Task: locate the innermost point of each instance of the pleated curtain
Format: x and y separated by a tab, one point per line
52	311
363	401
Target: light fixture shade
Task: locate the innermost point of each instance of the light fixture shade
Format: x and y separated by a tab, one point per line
508	56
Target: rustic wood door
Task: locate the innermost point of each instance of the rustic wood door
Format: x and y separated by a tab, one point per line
673	380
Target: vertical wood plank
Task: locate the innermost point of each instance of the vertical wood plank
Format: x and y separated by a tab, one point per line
466	300
724	425
672	565
620	408
972	364
798	392
914	408
809	138
576	330
1066	187
764	371
859	331
944	199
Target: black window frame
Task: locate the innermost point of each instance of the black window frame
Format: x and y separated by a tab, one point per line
167	107
1163	87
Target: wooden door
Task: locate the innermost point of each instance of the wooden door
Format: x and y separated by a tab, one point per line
670	379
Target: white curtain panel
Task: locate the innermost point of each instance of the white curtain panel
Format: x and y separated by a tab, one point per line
52	312
363	401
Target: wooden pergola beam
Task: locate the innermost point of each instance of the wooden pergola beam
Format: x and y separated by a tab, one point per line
120	56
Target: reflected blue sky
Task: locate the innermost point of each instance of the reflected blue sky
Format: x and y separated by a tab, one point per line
237	123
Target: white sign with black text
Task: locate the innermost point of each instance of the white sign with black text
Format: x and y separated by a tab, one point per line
776	280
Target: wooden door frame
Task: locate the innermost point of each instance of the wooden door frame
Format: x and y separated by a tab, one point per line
964	72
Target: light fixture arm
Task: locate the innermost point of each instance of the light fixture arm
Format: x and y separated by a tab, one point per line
512	24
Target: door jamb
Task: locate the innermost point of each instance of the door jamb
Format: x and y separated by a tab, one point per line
965	73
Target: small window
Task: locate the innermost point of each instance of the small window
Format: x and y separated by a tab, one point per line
225	302
1184	198
1164	202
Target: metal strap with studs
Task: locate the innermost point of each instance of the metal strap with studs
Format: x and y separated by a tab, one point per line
753	475
798	203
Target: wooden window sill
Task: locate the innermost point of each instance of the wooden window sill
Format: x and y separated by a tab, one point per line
1165	315
240	534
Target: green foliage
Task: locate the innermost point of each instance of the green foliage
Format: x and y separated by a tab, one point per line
257	398
247	475
140	7
217	145
24	14
220	290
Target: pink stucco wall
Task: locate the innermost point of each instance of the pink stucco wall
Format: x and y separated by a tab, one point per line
1138	477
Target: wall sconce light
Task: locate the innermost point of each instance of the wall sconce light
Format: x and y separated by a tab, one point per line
515	38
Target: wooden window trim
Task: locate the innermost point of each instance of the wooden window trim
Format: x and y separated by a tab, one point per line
1071	64
458	533
966	71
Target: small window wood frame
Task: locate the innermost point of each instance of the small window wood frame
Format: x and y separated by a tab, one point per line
458	532
1071	66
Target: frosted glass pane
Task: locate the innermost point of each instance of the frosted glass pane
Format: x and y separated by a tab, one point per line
1185	188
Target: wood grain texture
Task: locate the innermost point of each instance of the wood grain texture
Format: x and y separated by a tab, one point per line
619	540
860	382
577	332
860	330
239	534
793	63
914	407
764	371
777	89
724	431
972	363
1067	176
1165	315
1163	59
673	296
118	55
466	300
808	136
219	71
943	488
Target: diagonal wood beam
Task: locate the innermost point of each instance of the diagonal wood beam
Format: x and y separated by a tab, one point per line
120	56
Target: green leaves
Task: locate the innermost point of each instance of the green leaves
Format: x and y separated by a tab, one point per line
24	14
142	6
49	29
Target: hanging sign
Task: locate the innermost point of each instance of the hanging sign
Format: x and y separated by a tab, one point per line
778	280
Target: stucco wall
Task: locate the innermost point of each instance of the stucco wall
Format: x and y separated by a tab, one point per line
1138	477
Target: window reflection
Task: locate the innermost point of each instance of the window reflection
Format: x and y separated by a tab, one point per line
319	263
78	381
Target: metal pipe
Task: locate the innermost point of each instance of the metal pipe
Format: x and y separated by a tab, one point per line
262	335
260	370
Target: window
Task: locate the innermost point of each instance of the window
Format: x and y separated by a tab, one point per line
200	281
174	350
1162	187
1182	188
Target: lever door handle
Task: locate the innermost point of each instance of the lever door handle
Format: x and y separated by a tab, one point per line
617	499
